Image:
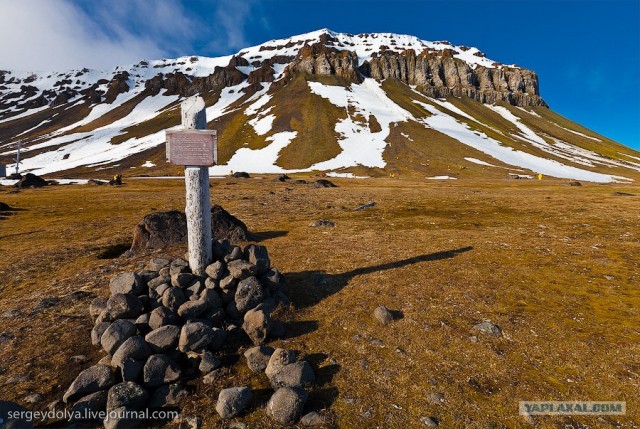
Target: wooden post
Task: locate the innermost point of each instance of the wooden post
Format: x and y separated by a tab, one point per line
198	209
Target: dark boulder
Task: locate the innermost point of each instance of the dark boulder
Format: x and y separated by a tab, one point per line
124	306
163	338
258	256
286	405
297	374
31	181
160	229
323	222
127	394
257	324
488	327
167	395
225	226
134	347
116	334
249	294
160	369
162	316
233	401
94	403
91	380
126	283
258	358
322	183
195	336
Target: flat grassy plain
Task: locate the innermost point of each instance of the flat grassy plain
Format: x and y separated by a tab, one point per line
557	267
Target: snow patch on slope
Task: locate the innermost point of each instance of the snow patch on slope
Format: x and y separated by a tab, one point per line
345	175
560	148
360	146
479	162
629	156
257	160
448	125
579	134
262	125
100	110
257	105
24	114
450	106
228	96
531	112
526	131
263	121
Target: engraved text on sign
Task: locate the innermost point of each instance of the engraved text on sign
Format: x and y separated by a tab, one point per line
191	147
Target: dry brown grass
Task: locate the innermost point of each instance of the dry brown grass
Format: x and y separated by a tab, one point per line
314	119
555	266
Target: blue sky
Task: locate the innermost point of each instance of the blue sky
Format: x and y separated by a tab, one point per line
586	53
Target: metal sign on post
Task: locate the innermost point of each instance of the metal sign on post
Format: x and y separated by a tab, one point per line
195	148
192	147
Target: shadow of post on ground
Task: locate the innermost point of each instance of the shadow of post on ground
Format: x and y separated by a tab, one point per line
308	288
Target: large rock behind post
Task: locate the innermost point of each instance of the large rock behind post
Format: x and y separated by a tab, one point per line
161	229
158	230
225	226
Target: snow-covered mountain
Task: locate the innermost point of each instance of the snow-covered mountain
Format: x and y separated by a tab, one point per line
370	104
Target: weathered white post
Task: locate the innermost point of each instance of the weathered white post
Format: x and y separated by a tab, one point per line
198	209
18	157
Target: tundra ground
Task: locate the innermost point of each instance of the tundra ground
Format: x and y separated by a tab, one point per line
557	267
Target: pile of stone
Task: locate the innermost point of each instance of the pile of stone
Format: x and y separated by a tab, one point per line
164	325
287	377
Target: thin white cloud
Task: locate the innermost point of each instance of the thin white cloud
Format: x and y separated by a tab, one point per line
59	35
167	22
231	19
232	16
41	35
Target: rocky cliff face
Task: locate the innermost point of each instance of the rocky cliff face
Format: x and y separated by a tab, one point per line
438	74
179	83
326	60
435	73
